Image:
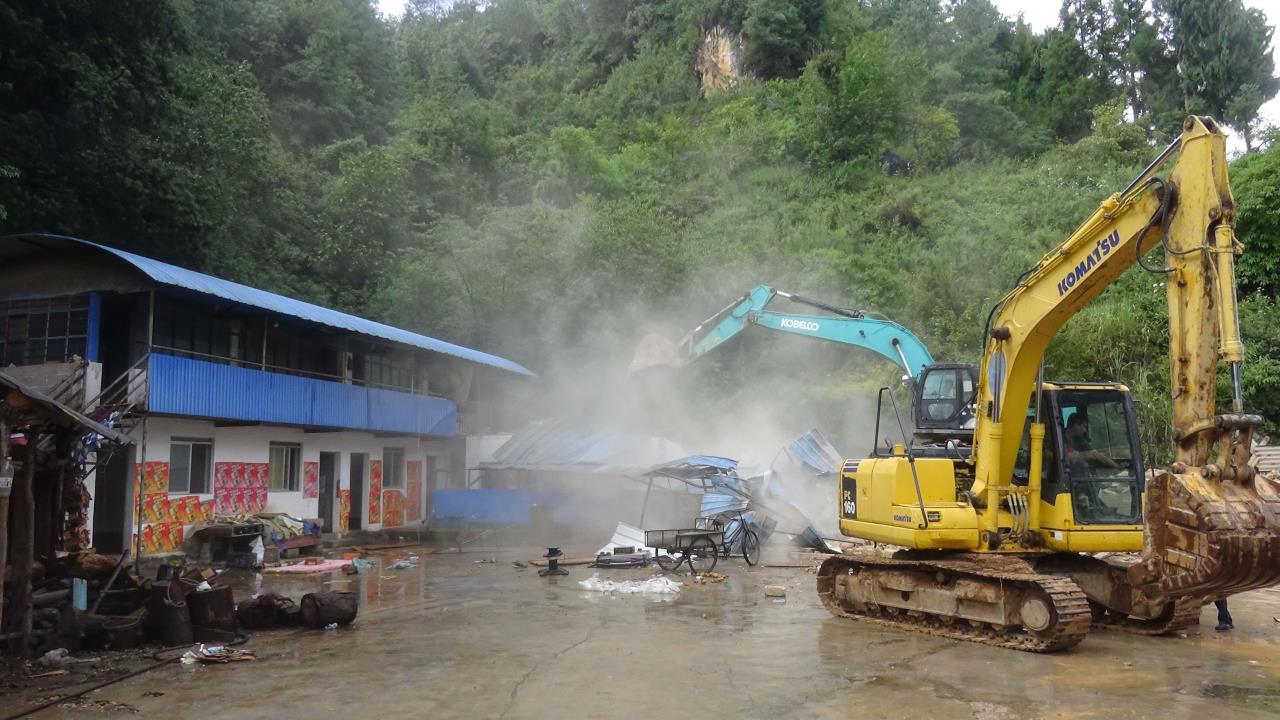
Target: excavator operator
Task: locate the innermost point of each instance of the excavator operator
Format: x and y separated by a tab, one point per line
1079	449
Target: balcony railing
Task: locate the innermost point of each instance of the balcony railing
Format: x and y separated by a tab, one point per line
198	388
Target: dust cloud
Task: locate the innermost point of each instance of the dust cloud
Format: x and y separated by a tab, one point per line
744	400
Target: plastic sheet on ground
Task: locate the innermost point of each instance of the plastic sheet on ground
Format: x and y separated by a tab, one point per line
660	585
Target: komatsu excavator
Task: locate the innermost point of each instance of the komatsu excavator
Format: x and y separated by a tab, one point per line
996	534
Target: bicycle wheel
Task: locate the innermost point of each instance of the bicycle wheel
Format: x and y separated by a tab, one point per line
751	547
702	555
668	563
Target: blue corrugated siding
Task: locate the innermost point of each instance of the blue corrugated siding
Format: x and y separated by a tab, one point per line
196	388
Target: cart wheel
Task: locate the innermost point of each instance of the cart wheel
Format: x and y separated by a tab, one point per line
668	562
702	555
751	547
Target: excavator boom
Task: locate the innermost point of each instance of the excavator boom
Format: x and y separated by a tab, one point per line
848	327
1212	527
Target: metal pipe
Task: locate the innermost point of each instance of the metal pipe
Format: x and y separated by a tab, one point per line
1229	344
902	356
911	462
1142	176
1035	474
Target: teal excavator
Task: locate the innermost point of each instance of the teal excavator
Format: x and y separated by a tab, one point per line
841	325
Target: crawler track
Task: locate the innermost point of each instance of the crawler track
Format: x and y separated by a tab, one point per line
1068	609
1184	614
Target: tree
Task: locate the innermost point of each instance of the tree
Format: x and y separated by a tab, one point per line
776	35
1224	60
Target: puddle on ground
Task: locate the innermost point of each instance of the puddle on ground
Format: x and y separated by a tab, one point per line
1265	697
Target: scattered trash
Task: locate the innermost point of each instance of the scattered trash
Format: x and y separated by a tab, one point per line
626	537
775	591
331	626
620	559
489	561
61	657
153	693
203	586
710	577
520	564
216	654
660	585
360	564
51	673
404	564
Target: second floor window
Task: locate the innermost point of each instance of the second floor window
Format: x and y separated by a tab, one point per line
393	468
285	466
190	465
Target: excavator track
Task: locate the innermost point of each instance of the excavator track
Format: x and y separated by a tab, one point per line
974	585
1184	614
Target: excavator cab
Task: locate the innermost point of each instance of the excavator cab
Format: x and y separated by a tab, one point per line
1092	465
944	398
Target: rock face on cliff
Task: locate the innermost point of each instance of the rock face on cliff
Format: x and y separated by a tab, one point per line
719	60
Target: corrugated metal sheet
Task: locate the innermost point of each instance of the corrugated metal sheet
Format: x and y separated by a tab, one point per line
172	275
197	388
577	445
695	467
814	451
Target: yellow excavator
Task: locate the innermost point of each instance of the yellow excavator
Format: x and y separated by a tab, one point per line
1042	522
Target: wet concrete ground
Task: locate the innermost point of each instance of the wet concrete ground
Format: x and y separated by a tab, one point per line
457	638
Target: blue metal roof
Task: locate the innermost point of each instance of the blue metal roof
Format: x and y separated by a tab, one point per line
175	276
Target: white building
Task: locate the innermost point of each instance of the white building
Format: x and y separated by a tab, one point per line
240	400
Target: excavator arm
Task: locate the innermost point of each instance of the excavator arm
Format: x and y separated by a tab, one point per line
1212	527
849	327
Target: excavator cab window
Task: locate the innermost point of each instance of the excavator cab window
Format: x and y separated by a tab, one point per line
944	396
1101	464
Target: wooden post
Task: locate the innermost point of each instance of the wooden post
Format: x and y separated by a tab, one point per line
26	543
6	485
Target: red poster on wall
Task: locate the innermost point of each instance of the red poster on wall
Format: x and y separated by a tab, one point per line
310	479
240	488
375	492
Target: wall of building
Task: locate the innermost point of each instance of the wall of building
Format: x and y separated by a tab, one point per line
240	477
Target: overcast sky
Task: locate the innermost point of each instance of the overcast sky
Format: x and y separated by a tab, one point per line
1040	14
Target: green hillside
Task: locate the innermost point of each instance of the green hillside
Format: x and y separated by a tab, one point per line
548	180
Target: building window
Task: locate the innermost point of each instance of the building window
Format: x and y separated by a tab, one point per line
285	466
393	468
190	465
38	331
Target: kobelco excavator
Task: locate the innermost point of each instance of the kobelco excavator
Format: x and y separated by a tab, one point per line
994	532
858	328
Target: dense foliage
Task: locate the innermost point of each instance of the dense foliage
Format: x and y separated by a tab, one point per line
548	179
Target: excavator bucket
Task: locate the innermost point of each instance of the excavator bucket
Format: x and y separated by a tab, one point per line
655	351
1209	537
